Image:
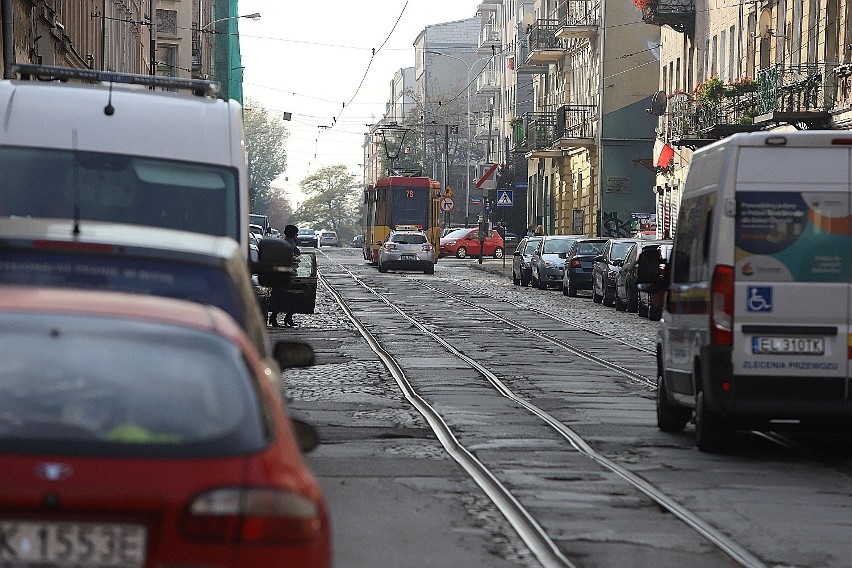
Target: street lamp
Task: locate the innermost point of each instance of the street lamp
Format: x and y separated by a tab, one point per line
255	17
469	137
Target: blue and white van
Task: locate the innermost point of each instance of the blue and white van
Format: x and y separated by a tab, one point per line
756	324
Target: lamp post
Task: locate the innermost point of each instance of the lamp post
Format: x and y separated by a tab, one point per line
469	137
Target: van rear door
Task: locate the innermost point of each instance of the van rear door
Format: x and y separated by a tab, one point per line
792	259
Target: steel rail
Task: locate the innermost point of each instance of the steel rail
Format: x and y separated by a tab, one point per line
533	535
733	549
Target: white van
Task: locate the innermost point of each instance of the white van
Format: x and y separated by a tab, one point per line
756	325
93	145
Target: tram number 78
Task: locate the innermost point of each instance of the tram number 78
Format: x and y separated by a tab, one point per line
409	193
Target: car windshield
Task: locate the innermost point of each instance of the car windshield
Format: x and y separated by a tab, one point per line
556	246
117	188
590	248
620	250
457	234
328	235
202	284
408	239
531	246
106	386
310	232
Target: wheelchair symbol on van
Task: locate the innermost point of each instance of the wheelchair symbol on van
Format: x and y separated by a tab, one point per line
759	299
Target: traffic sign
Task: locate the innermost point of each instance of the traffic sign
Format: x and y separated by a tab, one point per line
504	198
448	192
487	175
447	204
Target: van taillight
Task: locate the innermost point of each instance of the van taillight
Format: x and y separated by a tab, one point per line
722	306
251	515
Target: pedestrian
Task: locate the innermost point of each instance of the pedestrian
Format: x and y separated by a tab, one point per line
279	293
539	231
530	231
500	229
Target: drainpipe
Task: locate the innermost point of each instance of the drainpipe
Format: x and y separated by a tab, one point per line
7	14
599	132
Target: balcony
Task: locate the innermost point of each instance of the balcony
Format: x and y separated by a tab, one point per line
694	124
801	95
488	82
489	35
489	5
577	19
534	134
521	55
545	47
575	126
677	14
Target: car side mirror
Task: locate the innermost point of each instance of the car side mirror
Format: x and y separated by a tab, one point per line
274	266
306	434
563	255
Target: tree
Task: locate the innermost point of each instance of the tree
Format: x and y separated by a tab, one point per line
334	201
280	209
267	157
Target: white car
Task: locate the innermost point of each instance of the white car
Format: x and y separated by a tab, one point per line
407	250
328	239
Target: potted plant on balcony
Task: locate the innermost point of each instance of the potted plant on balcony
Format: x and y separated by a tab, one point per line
743	85
642	4
710	92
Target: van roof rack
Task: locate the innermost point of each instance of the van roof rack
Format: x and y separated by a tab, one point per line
198	87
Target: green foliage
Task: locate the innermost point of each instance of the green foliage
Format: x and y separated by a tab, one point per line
334	202
265	138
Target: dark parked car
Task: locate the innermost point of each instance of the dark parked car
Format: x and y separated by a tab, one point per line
521	269
579	262
651	303
607	266
548	260
307	237
626	293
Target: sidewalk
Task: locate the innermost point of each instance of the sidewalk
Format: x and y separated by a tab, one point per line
494	266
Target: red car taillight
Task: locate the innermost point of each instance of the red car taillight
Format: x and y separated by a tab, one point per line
390	246
255	516
722	306
575	263
427	247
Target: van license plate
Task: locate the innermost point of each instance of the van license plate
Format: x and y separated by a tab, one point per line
34	543
788	345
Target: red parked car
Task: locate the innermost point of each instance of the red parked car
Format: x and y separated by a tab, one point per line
463	243
139	431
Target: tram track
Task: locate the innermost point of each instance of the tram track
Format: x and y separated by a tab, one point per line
533	535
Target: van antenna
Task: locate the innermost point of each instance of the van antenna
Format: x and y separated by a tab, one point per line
109	110
76	182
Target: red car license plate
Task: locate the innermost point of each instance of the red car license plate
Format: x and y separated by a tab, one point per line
25	543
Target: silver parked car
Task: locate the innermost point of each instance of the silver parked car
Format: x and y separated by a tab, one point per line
407	250
548	260
521	260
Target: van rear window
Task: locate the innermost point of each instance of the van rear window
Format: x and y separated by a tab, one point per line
793	236
200	198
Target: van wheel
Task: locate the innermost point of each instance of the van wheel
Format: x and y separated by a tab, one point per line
711	432
461	253
670	418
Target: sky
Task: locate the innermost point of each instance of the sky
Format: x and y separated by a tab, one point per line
310	58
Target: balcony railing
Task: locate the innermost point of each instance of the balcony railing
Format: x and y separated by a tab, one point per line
521	55
489	35
677	14
797	88
535	131
577	18
575	125
694	124
545	47
488	82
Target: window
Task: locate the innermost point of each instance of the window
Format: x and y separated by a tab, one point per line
167	59
690	262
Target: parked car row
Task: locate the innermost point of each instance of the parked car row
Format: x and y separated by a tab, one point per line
605	266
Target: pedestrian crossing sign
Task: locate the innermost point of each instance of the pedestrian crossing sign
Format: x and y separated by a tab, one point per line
504	198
